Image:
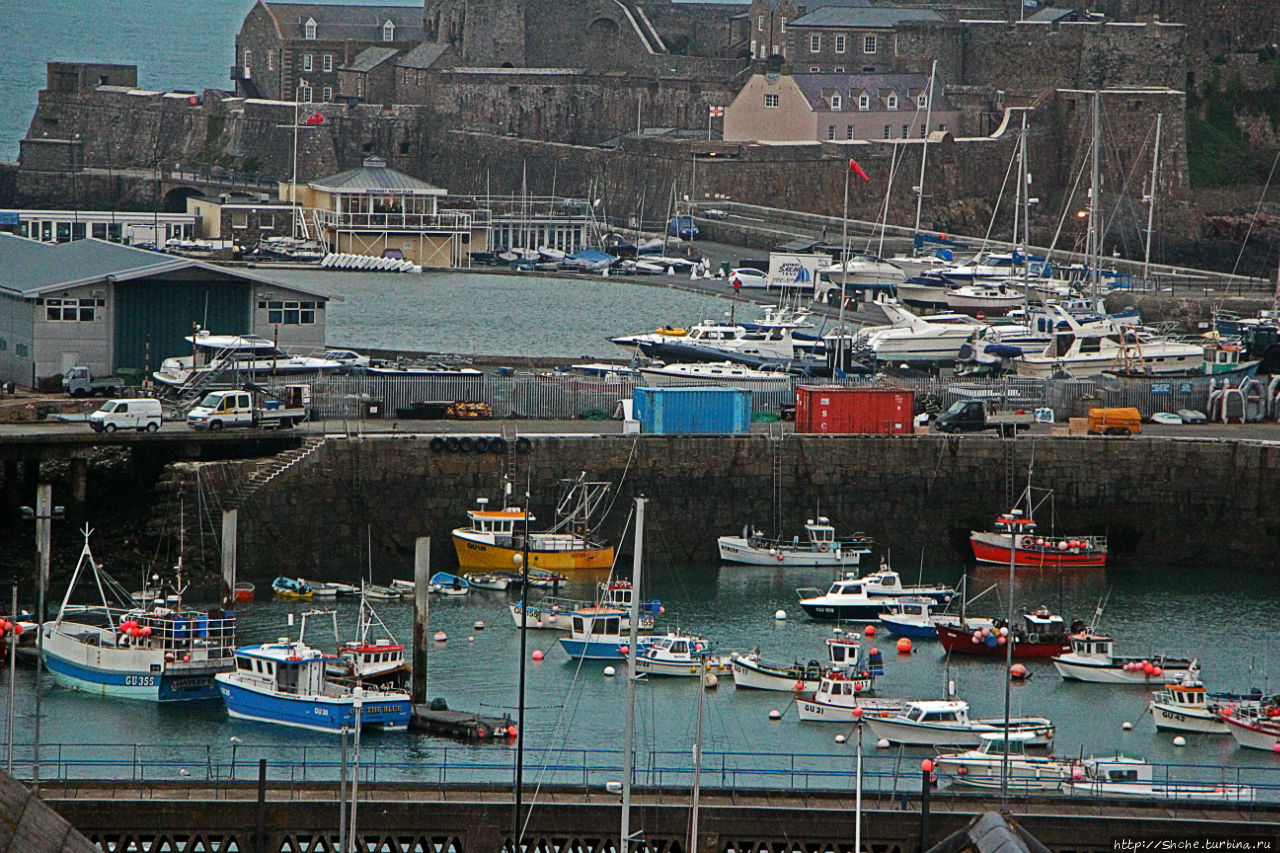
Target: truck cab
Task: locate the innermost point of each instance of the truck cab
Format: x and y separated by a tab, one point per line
221	409
972	416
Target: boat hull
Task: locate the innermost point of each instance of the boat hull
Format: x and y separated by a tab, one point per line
908	629
688	669
960	642
982	771
105	670
752	674
813	710
857	612
914	734
316	713
1174	718
1254	735
599	649
474	555
993	548
735	549
1114	673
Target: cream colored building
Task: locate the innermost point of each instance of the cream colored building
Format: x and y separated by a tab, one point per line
835	107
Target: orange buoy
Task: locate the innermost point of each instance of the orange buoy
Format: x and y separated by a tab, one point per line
904	645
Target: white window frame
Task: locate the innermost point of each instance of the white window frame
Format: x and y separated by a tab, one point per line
836	101
840	44
388	31
248	58
868	44
327	63
848	131
922	100
815	43
864	102
891	102
770	101
814	69
760	24
309	29
307	62
831	132
306	94
839	69
782	26
326	94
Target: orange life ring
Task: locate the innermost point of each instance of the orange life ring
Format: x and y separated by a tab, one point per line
823	546
1028	542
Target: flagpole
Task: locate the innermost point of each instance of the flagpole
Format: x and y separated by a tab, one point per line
293	181
709	111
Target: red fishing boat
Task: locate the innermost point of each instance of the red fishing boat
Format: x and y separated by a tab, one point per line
1042	635
1033	549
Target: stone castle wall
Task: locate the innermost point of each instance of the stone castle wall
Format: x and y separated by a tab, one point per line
1159	501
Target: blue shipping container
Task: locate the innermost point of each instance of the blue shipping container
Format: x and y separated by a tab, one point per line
690	409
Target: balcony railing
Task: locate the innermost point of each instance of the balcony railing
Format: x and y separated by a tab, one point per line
393	221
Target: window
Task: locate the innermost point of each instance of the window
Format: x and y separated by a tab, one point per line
771	102
904	131
869	44
70	310
831	131
922	101
267	221
4	345
239	220
327	93
839	69
782	27
886	131
848	131
864	102
836	102
868	69
760	24
309	29
813	69
306	62
306	94
891	102
815	43
328	62
248	57
21	351
281	313
839	44
271	60
388	31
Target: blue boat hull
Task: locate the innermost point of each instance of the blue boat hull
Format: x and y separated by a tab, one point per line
598	649
147	686
922	632
318	713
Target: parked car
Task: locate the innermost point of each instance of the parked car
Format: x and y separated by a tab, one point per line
715	213
747	277
682	227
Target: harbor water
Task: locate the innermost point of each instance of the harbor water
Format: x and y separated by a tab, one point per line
573	725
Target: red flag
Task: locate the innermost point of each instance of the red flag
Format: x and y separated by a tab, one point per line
315	118
857	170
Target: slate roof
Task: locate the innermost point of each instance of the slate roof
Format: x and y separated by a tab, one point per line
1051	15
29	268
369	59
347	23
374	175
423	56
879	18
815	86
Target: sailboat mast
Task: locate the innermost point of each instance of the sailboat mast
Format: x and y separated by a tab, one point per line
1094	244
697	761
1026	213
630	732
924	151
844	271
1151	202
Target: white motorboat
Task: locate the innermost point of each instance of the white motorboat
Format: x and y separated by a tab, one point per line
886	583
1186	706
991	299
237	354
553	612
427	369
1254	729
1091	659
716	373
820	548
1125	776
837	695
864	599
984	766
680	655
919	340
862	271
1081	350
946	722
494	581
770	340
749	671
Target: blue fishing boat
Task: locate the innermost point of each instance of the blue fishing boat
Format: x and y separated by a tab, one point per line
160	653
911	617
292	588
443	583
284	683
596	633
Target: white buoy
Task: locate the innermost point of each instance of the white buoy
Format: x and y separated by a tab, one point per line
711	681
441	636
840	738
610	672
479	626
1127	726
471	639
883	743
775	714
780	615
1179	741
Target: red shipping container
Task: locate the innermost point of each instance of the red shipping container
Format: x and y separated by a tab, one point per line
835	409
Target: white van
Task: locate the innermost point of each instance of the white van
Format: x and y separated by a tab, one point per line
141	414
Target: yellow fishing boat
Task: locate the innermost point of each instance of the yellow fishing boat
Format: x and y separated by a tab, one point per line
495	539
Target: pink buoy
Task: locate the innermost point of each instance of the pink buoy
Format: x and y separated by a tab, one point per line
537	654
1001	640
976	638
1157	671
1062	546
1017	672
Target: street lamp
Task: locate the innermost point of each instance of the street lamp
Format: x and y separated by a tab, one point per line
43	514
235	743
857	795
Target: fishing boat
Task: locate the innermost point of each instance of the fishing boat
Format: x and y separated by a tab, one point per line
1186	706
911	617
443	583
1125	776
496	539
1259	730
244	591
552	612
1030	548
984	766
749	671
1091	659
374	656
596	633
820	547
837	695
493	581
163	653
1042	635
285	683
946	722
680	655
291	588
865	598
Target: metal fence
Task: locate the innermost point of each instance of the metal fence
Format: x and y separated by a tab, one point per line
428	762
556	396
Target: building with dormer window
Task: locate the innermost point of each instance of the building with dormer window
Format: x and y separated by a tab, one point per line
830	107
282	45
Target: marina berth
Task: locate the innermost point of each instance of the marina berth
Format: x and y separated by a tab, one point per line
159	653
285	683
1091	659
820	547
946	722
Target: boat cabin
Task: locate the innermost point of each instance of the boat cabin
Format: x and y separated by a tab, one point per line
840	688
1086	645
884	582
1117	768
378	656
843	650
1013	522
283	667
949	712
500	524
919	608
1183	694
597	622
846	587
1002	743
1040	621
620	594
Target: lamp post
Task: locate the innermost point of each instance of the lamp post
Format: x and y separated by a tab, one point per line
857	785
44	513
235	743
355	772
1014	515
522	560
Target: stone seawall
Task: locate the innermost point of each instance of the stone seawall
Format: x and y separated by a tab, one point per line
1160	501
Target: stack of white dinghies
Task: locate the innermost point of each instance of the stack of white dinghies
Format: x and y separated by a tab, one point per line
367	263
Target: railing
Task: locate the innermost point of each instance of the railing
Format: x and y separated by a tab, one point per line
425	762
451	222
553	396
